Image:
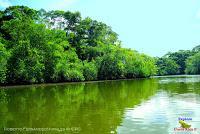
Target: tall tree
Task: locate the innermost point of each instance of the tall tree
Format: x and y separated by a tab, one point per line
193	64
166	66
3	63
180	58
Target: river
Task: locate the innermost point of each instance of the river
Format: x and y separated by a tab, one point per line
140	106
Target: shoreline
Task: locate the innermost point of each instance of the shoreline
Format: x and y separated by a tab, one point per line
82	82
63	83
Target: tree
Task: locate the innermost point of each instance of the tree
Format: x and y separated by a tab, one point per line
15	13
90	70
89	34
138	65
3	66
110	65
193	64
196	49
180	58
59	46
60	19
18	12
166	66
25	64
125	63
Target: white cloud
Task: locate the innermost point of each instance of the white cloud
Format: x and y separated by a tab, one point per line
60	4
5	3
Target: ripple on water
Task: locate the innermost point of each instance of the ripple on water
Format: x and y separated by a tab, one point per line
161	113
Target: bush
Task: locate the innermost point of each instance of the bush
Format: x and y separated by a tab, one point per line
90	70
3	63
193	64
167	66
25	64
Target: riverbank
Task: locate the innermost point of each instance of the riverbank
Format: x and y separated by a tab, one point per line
64	83
81	82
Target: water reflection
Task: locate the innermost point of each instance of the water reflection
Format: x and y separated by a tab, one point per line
92	107
125	106
176	97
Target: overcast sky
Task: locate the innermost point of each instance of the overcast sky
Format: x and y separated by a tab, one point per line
154	27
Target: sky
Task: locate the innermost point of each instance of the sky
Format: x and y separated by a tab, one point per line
154	27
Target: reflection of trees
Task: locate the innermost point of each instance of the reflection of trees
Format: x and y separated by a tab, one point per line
180	85
95	107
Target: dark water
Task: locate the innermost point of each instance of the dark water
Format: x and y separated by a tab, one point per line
145	106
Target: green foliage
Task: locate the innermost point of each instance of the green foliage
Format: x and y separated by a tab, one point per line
18	12
180	58
25	64
193	64
110	67
138	65
148	66
181	62
125	63
3	63
196	49
89	35
59	46
90	70
71	69
166	66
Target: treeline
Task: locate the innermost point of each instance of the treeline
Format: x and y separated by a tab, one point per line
59	46
181	62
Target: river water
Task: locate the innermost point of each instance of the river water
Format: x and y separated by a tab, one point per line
140	106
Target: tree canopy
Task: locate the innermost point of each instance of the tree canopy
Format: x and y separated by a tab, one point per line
193	64
59	46
180	62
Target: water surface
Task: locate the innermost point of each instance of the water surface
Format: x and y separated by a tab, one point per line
141	106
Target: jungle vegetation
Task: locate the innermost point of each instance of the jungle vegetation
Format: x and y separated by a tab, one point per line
181	62
61	46
38	46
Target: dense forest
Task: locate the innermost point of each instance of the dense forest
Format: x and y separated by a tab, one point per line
181	62
60	46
